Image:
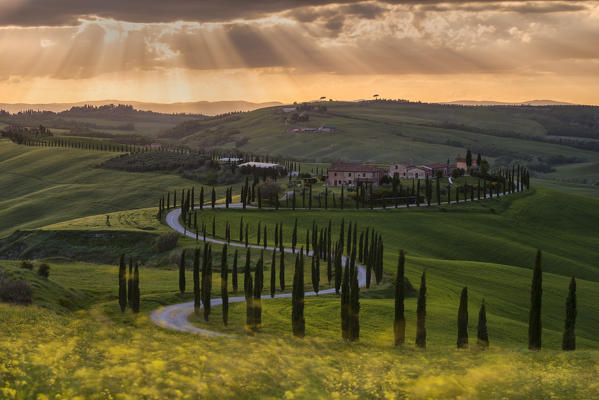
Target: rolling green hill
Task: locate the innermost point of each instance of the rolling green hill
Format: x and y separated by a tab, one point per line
386	132
41	186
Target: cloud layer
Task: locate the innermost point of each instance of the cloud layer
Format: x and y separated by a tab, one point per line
84	39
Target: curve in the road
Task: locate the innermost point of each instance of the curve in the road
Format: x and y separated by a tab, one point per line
176	316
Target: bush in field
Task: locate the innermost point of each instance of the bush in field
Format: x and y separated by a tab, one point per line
18	292
167	241
27	265
43	270
269	190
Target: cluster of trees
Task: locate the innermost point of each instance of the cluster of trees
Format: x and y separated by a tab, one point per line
129	294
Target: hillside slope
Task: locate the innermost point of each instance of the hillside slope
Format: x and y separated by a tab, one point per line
385	132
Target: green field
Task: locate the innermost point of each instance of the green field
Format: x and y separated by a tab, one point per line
41	186
74	342
388	132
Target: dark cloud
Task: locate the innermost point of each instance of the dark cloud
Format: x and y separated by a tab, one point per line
67	12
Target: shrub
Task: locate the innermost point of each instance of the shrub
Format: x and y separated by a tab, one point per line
43	270
167	241
18	292
27	265
268	190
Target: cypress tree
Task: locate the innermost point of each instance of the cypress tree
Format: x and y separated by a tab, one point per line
249	300
307	241
482	336
315	272
123	284
294	237
298	323
197	298
213	226
276	236
207	280
258	286
536	291
399	323
224	287
438	191
282	269
421	314
265	237
259	233
136	294
354	300
182	272
463	320
235	272
247	242
241	230
569	338
130	283
273	274
338	270
345	299
213	198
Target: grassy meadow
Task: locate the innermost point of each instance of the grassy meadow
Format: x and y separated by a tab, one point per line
74	342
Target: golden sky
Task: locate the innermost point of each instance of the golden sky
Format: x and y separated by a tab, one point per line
288	50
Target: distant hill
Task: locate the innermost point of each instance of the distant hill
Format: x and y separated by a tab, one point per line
198	107
501	103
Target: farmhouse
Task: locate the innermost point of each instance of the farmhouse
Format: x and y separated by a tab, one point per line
408	171
345	174
461	163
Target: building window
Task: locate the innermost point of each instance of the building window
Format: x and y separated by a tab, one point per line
350	174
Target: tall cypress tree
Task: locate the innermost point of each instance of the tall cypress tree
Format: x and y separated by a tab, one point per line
136	294
534	321
224	287
482	336
213	197
315	269
294	237
298	323
182	272
399	323
207	280
345	307
463	320
123	284
130	283
258	286
273	274
569	338
354	300
249	299
235	272
197	298
421	314
282	269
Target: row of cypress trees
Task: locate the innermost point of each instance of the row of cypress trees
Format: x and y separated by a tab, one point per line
129	294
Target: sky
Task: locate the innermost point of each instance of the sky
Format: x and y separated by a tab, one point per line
298	50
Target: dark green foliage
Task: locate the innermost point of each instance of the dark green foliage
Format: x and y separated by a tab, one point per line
27	265
207	280
536	292
482	336
130	283
399	323
569	338
345	299
273	274
421	314
235	272
294	237
182	272
197	297
354	300
298	323
463	320
315	269
167	241
282	269
123	284
224	287
213	197
136	294
258	286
